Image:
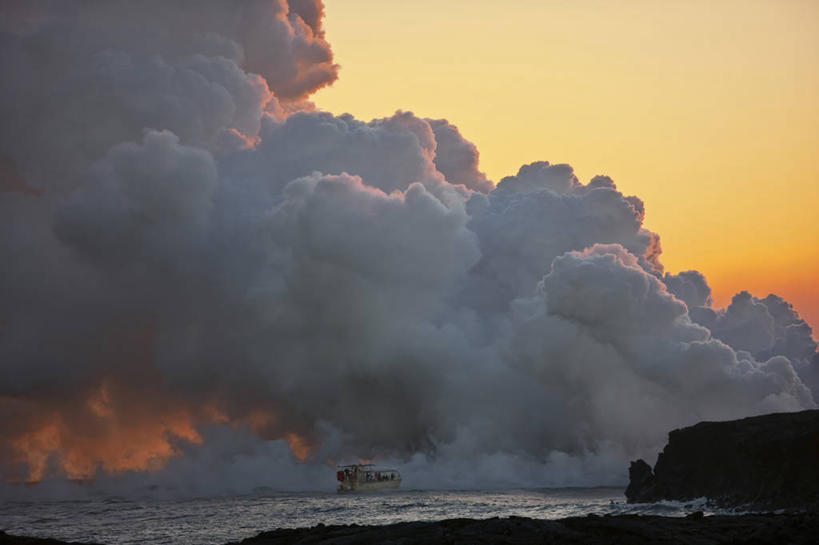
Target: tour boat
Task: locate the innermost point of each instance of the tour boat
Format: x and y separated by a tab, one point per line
366	477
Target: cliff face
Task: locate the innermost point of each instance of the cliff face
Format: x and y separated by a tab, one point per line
769	461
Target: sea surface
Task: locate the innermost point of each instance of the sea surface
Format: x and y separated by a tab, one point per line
218	520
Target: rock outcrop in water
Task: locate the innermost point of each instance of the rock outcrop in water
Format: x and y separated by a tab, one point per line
769	461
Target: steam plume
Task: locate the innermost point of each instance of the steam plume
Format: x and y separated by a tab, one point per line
209	285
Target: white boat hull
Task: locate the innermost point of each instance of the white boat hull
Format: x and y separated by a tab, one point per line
368	486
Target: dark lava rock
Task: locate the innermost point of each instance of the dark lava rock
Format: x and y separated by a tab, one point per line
795	529
769	461
640	482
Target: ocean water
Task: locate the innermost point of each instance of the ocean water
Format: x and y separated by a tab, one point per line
218	520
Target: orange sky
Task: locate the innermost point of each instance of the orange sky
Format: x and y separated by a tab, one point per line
708	111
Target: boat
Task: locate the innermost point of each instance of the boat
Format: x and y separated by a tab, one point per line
366	477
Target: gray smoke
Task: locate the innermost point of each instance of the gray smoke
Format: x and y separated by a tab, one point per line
209	286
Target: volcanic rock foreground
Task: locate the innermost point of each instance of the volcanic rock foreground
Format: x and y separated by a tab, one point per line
590	530
769	461
626	529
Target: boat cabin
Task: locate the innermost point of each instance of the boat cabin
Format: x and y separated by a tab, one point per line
360	477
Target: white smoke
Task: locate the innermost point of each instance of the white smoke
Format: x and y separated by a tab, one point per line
203	277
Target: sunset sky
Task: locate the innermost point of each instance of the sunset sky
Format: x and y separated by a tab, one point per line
707	111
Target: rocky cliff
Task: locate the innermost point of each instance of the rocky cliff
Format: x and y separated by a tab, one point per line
769	461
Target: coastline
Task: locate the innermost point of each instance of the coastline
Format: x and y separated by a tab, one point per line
793	528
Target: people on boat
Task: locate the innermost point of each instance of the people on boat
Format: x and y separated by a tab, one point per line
356	476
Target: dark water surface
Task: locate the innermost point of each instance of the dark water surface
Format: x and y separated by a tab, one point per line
220	519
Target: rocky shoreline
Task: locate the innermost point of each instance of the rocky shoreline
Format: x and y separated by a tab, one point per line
792	528
589	530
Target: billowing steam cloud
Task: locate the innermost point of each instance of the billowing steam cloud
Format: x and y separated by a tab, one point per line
206	282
